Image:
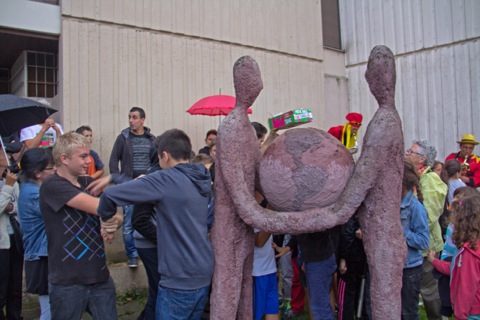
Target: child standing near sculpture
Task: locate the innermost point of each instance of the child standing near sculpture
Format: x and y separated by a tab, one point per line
265	292
415	229
465	266
180	193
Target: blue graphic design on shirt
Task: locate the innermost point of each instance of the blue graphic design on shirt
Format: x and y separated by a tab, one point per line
85	238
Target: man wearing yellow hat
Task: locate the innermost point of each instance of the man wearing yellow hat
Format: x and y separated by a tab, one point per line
347	133
469	161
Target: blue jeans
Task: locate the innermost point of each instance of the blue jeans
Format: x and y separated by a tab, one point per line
181	304
411	280
69	302
149	258
319	279
128	232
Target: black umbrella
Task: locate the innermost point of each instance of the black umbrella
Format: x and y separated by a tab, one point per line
17	113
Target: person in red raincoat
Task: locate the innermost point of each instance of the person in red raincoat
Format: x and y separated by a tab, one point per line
347	133
469	161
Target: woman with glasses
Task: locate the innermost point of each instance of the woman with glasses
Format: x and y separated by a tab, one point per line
36	166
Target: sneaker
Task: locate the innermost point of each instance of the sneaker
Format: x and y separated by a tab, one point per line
132	262
280	304
287	307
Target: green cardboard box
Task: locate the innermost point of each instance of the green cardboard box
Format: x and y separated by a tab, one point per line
290	119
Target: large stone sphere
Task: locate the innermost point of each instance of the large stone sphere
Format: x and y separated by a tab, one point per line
304	168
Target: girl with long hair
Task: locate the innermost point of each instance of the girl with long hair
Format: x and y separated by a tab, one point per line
415	228
465	266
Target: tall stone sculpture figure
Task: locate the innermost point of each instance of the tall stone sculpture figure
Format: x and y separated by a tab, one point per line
375	185
232	239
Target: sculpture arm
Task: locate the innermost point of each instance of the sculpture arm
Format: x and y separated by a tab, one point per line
311	220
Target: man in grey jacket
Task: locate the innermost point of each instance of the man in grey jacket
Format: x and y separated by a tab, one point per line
181	194
135	152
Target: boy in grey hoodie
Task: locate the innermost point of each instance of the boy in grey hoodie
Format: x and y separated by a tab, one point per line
181	194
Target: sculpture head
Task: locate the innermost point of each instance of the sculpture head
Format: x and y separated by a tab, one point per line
381	75
247	81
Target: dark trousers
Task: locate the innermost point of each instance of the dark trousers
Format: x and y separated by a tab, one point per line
149	258
411	282
319	279
353	280
11	269
69	302
429	291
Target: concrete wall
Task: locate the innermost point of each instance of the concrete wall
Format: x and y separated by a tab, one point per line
165	55
437	49
336	89
30	16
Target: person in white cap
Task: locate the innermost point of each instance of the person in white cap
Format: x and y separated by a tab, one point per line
469	161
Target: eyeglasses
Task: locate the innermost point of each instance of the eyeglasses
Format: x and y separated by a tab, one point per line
356	124
410	151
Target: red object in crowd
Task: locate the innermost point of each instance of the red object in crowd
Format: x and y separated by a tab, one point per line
218	105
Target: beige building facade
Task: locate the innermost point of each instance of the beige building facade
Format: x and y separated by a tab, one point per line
165	55
436	44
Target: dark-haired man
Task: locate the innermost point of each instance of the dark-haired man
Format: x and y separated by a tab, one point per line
135	152
210	139
180	193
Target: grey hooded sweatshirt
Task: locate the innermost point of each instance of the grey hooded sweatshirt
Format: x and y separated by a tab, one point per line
181	195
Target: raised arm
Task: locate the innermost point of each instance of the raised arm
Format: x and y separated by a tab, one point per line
34	142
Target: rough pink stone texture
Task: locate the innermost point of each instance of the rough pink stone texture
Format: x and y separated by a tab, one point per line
304	168
376	182
382	156
232	239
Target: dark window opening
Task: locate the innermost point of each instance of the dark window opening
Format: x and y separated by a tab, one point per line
331	24
28	64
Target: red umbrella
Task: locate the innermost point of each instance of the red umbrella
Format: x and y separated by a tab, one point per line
218	105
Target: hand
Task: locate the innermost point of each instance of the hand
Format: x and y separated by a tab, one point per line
281	250
112	224
343	266
359	234
47	124
97	186
431	256
465	180
9	208
10	178
107	236
109	227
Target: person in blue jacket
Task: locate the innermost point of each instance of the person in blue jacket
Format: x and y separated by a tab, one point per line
181	194
37	165
415	229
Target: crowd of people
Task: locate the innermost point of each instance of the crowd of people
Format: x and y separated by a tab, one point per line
57	218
